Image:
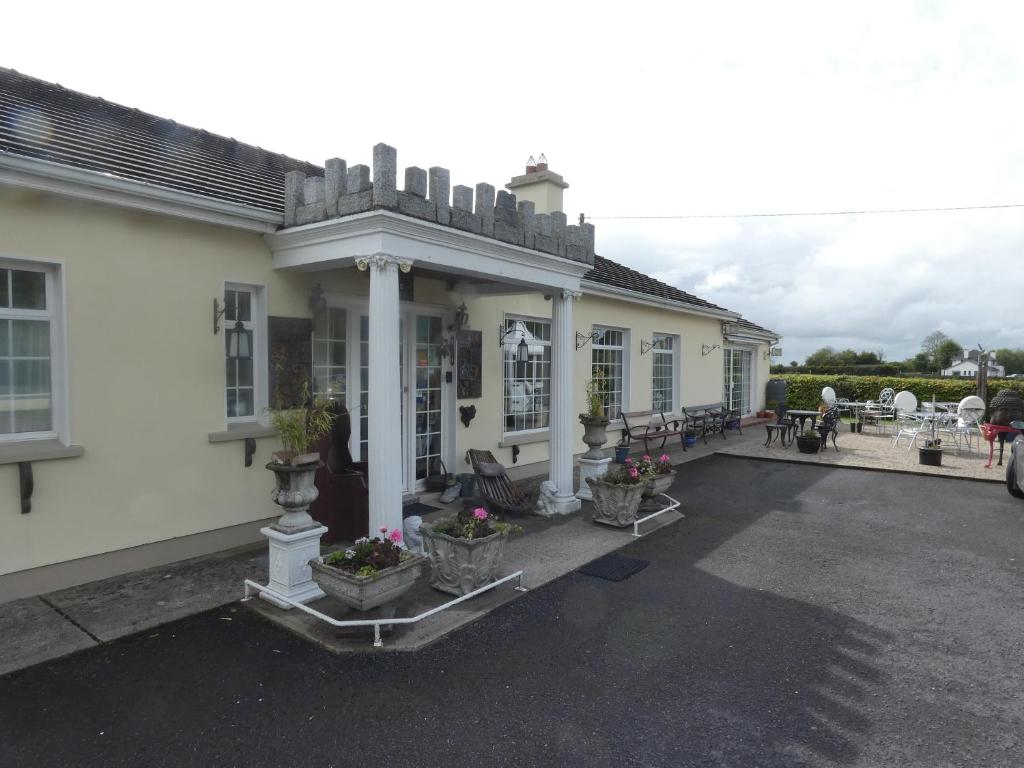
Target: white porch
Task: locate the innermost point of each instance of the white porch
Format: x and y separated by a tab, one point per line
384	243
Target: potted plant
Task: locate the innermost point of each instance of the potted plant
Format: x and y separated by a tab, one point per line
617	495
293	466
594	421
372	572
690	436
621	452
466	550
771	406
808	441
930	453
659	474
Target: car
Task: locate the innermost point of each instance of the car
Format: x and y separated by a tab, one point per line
1015	466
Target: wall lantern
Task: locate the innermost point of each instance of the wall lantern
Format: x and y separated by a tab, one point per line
238	339
461	317
523	351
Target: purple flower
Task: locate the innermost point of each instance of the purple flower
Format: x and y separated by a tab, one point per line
480	513
629	460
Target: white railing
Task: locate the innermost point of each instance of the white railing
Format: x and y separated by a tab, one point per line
673	504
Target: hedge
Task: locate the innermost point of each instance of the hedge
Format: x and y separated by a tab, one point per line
882	369
804	390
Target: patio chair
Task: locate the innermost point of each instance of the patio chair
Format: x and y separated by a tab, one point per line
828	396
496	488
782	429
880	412
965	424
829	426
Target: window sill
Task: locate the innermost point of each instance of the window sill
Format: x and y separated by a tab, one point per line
242	432
541	436
37	450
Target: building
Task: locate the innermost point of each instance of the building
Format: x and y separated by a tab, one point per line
967	365
132	249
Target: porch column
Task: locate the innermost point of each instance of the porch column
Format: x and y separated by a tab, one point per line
561	498
385	416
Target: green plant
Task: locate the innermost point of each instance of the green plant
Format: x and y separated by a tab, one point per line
368	557
771	405
809	434
597	395
475	524
299	428
936	443
631	473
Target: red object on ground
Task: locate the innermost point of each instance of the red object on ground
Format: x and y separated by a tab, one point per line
992	432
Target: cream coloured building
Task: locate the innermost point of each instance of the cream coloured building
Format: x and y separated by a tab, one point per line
129	438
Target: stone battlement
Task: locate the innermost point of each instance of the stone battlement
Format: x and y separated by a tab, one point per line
343	191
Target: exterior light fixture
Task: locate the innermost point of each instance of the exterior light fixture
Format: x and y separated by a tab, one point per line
461	317
239	342
523	351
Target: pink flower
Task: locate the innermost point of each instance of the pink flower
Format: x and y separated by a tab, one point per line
629	460
395	536
633	472
383	529
646	457
480	513
664	458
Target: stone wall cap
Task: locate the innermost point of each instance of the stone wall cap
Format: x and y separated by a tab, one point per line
536	178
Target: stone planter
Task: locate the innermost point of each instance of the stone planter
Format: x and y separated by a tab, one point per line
594	435
659	484
808	444
365	592
615	504
459	566
294	492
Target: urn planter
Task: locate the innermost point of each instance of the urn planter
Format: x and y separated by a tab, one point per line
659	484
595	434
366	592
460	566
615	504
294	492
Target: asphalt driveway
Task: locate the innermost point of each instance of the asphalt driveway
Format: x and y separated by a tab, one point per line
799	616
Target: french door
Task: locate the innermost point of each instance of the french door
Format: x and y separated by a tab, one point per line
341	370
736	393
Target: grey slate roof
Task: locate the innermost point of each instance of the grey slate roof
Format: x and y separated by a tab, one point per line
45	121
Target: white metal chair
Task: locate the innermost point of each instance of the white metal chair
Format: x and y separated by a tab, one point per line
828	396
967	423
880	412
908	422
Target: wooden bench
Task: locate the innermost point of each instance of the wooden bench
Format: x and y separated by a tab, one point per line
650	426
710	419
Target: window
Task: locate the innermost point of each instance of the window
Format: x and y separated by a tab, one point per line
330	332
244	381
30	334
527	402
663	396
607	362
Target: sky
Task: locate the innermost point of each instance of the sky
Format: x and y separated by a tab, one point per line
646	109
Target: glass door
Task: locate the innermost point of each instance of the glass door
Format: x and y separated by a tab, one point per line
737	380
427	396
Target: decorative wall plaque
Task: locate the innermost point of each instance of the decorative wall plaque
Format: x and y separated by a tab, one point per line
468	357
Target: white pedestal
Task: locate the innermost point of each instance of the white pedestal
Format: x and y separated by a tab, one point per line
590	468
289	571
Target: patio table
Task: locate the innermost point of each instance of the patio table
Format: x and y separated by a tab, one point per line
803	416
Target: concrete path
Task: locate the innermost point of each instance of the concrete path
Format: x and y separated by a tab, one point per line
800	616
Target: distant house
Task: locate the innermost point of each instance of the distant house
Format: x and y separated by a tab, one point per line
967	365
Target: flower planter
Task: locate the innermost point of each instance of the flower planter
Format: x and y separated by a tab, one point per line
808	444
615	504
294	492
366	592
459	566
931	457
659	484
594	435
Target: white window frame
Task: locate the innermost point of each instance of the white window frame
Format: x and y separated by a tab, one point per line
56	313
504	324
673	353
258	326
624	349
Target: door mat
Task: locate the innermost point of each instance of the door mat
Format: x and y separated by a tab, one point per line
614	567
418	509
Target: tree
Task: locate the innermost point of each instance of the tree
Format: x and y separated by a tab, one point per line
946	352
1012	359
932	342
793	363
824	356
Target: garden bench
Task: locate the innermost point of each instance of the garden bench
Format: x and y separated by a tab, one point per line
709	419
651	425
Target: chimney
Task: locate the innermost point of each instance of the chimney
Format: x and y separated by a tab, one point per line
539	186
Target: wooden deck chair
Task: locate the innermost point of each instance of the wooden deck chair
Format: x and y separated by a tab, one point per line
496	488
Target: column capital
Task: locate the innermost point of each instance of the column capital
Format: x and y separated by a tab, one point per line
382	261
573	295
